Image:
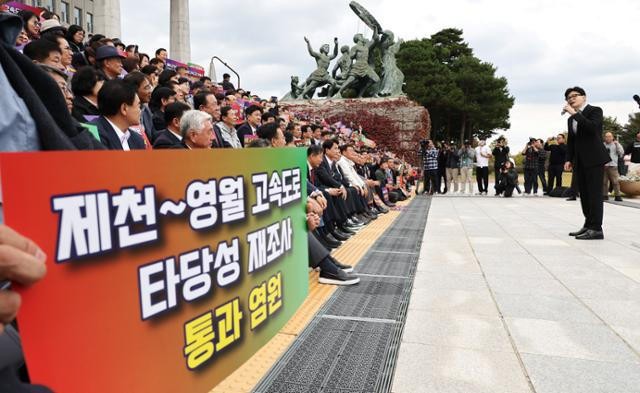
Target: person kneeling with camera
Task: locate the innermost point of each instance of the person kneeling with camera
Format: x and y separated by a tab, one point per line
508	180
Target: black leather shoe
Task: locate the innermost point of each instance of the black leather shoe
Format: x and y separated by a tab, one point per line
331	241
605	198
382	210
591	235
339	236
345	268
571	198
364	219
618	199
341	233
345	229
577	233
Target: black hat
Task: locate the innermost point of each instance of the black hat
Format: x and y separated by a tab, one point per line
107	52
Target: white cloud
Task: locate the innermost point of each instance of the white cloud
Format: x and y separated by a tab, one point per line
541	46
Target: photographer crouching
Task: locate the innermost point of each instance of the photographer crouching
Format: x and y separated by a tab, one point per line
508	180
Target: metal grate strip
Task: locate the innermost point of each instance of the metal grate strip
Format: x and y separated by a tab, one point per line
351	345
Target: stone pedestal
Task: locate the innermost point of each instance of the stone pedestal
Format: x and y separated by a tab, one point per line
180	42
397	123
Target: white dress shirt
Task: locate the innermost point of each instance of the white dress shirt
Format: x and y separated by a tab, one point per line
575	122
350	173
122	136
176	135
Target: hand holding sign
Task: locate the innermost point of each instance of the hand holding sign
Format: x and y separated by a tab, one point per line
21	261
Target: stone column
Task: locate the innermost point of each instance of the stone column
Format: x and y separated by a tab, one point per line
106	18
180	42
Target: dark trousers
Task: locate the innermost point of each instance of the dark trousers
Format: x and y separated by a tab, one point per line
317	252
482	178
498	176
530	180
555	176
506	190
543	181
442	180
590	185
430	180
575	189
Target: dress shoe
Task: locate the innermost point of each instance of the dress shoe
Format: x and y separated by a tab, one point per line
354	222
332	241
618	199
345	268
364	219
591	235
345	229
340	232
605	198
571	198
324	243
340	236
382	209
580	232
340	277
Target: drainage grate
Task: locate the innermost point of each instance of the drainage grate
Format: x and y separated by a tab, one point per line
383	264
374	297
338	356
351	345
402	232
401	244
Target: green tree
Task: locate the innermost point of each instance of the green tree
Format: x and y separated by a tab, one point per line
631	129
611	124
464	97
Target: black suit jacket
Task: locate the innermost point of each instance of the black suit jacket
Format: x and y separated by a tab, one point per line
585	146
329	177
82	108
166	140
244	130
110	139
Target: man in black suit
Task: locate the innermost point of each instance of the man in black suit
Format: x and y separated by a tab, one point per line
119	107
330	176
206	102
253	115
586	151
171	138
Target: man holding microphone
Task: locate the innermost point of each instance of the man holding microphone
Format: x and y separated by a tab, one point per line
586	150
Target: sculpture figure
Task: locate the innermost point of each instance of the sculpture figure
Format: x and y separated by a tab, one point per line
343	65
295	92
357	65
361	72
392	77
320	76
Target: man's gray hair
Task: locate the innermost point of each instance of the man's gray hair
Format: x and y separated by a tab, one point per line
193	120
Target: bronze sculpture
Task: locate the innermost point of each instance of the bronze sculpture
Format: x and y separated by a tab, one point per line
356	65
320	76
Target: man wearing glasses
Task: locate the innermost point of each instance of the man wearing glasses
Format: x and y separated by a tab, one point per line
586	151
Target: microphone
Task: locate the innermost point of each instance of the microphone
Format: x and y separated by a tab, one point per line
564	112
636	98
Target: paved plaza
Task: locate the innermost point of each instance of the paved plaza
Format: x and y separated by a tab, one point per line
505	301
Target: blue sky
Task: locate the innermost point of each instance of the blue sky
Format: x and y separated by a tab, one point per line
541	46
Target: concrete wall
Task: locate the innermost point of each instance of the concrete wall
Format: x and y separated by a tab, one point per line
105	14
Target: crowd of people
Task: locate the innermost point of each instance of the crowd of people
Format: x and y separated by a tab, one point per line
448	168
58	84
